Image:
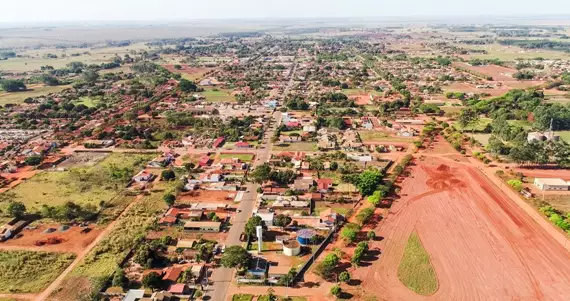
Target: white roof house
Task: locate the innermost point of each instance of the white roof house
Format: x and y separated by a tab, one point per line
551	184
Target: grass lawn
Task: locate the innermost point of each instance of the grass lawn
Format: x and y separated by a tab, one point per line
479	126
18	97
89	102
334	175
522	123
80	185
346	187
565	135
350	92
297	146
381	136
482	138
218	95
242	157
415	270
30	272
242	297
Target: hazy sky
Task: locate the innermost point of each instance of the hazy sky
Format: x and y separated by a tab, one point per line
94	10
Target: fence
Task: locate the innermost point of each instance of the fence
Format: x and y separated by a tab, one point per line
307	265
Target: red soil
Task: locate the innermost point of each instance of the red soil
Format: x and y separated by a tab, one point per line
71	240
482	245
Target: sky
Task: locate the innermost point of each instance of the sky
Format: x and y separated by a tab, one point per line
23	11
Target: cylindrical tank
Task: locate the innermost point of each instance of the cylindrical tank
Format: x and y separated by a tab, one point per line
304	236
291	247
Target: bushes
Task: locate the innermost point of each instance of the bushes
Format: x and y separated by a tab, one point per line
360	250
349	233
516	184
556	217
364	215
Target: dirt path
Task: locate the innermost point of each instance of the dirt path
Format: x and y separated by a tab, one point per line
57	282
483	244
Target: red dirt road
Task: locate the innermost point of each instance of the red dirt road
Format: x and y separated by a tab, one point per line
483	246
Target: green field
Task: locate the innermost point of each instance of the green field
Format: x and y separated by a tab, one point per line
89	102
80	185
34	59
350	92
564	135
242	297
297	146
30	272
496	51
381	136
520	123
219	95
242	157
480	125
415	270
482	138
18	97
100	263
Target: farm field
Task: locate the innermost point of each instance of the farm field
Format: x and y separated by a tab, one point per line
496	51
482	138
188	72
30	272
34	91
493	239
34	59
470	88
89	185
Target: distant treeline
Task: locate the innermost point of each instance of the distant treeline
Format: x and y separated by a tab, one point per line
538	44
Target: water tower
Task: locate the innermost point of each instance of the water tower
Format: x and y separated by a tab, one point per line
259	232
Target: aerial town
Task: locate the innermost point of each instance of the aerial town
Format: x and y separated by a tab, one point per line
409	162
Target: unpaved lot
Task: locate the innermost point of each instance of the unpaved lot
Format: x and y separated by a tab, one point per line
483	246
71	240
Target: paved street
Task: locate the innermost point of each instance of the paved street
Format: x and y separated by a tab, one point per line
222	277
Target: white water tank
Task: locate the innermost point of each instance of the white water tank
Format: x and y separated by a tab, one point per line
291	247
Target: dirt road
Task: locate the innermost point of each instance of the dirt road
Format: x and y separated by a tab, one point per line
483	246
55	284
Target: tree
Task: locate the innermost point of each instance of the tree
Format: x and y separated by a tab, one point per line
119	279
333	166
261	173
90	76
169	199
349	233
252	224
235	256
16	209
371	235
282	220
326	267
33	160
368	181
12	85
187	86
336	290
375	198
152	280
168	175
468	117
344	277
189	166
365	215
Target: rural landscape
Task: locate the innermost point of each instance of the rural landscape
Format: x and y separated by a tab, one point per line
292	160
